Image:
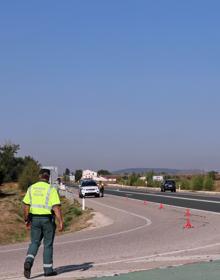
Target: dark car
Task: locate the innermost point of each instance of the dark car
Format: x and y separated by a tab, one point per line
168	185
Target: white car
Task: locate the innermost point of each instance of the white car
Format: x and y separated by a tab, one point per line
88	188
62	187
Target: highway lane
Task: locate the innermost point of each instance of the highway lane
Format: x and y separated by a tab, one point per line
136	237
206	202
192	200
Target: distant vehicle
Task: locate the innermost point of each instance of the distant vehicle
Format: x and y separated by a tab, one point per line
61	187
88	188
168	185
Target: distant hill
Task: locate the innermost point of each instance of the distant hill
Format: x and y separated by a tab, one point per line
158	171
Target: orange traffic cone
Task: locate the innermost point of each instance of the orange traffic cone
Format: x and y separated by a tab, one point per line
145	202
188	223
161	206
187	213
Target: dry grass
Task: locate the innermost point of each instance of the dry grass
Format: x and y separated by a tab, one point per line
74	218
81	222
217	186
12	228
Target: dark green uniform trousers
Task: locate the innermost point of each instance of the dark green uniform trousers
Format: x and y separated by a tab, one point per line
42	228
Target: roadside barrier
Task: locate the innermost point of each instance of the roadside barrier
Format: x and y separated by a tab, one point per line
83	203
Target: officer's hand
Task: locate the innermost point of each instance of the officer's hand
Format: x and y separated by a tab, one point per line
61	226
28	225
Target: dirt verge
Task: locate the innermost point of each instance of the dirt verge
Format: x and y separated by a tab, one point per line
12	228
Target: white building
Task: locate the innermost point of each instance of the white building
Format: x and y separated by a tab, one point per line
158	178
72	178
89	174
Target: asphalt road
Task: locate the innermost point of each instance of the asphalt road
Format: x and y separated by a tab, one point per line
131	236
207	202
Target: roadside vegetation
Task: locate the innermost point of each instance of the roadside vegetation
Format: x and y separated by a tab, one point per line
18	173
23	171
12	228
207	182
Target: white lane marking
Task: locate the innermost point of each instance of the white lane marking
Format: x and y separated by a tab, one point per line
181	258
147	223
159	255
172	206
176	197
149	258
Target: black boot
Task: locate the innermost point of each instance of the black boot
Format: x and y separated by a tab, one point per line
27	270
52	273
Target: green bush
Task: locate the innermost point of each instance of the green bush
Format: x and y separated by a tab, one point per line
156	184
197	182
78	174
29	174
208	183
212	174
140	183
1	177
132	180
9	163
70	211
184	184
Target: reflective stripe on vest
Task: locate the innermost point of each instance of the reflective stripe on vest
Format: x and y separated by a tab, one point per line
41	206
48	197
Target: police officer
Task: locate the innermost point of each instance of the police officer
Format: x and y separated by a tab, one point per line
41	206
102	189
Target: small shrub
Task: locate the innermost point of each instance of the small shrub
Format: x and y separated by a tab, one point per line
132	181
197	182
212	174
77	211
208	183
29	175
1	177
156	184
184	184
70	212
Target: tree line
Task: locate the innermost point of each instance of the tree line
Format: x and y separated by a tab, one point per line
79	172
23	170
193	182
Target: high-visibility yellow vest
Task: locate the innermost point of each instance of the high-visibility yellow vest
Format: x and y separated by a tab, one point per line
41	197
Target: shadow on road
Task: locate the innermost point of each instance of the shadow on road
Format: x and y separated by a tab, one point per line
69	268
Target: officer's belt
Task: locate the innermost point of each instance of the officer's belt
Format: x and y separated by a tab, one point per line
42	215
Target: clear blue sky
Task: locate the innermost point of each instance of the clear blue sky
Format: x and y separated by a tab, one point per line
112	84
